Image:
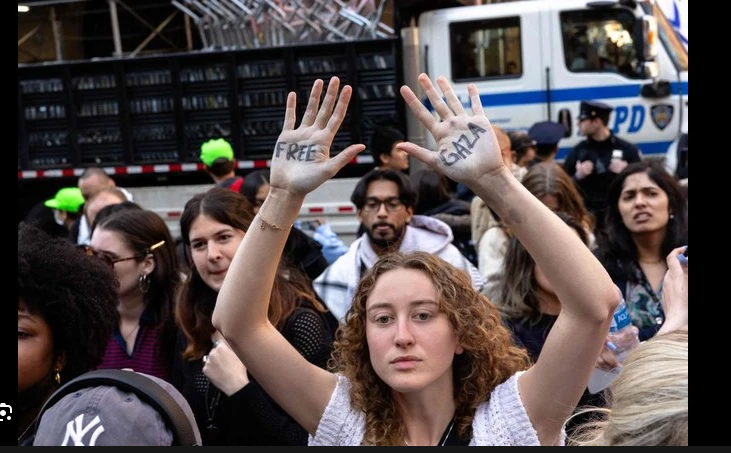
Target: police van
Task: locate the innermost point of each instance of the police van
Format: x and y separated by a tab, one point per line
537	60
532	60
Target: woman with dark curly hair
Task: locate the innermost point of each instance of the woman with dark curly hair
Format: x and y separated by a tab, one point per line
66	314
422	359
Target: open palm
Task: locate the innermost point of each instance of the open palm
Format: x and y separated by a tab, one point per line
466	145
301	160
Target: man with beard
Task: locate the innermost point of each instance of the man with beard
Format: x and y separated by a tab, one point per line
385	202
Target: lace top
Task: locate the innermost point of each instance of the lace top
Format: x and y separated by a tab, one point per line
500	421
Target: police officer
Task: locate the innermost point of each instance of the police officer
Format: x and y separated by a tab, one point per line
594	162
546	135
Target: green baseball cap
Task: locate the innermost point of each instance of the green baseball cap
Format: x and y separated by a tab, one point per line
68	199
212	150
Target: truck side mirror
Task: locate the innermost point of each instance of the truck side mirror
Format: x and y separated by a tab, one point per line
659	89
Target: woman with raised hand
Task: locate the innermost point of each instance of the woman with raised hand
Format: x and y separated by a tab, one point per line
422	359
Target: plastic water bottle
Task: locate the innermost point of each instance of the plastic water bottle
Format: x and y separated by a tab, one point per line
623	336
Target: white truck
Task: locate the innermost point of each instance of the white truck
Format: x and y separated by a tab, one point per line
537	60
532	61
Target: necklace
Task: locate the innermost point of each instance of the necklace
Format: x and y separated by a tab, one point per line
211	407
444	437
130	333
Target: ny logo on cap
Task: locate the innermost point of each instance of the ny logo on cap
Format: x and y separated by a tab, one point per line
75	431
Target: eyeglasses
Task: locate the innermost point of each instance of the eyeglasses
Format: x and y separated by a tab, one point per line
110	260
392	204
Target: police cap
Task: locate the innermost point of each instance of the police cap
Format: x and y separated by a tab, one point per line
547	132
594	109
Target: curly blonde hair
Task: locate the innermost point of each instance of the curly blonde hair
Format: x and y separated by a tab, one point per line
648	400
489	356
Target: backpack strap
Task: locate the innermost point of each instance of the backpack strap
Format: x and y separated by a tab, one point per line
146	389
236	186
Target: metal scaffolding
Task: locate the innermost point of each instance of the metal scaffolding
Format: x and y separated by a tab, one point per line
265	23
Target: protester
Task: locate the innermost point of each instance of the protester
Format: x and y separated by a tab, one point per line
648	402
423	358
218	158
647	217
66	313
230	406
137	244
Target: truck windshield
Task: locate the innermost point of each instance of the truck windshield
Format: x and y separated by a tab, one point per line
600	41
668	37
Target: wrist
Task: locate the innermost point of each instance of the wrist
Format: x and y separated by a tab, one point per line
284	196
490	187
491	180
236	386
281	207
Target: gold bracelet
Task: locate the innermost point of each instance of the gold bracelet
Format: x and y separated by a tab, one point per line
273	226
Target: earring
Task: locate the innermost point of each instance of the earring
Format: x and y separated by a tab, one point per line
58	376
672	216
144	283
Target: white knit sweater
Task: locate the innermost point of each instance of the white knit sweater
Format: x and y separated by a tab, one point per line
501	421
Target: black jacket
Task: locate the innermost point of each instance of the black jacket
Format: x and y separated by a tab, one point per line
594	187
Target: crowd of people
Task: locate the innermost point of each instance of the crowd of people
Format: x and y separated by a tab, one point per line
473	316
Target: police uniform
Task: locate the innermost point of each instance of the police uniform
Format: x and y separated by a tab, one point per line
545	135
594	186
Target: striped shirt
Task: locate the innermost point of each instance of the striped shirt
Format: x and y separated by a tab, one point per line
143	358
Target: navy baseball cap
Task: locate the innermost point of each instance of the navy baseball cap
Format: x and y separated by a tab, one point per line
547	132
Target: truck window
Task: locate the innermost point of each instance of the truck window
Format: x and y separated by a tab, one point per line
600	41
668	37
485	49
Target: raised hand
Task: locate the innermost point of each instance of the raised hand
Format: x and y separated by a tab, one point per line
301	160
466	145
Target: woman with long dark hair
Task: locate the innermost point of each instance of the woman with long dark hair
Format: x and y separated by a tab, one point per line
229	405
647	217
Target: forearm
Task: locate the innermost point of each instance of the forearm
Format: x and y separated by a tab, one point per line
254	267
580	281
